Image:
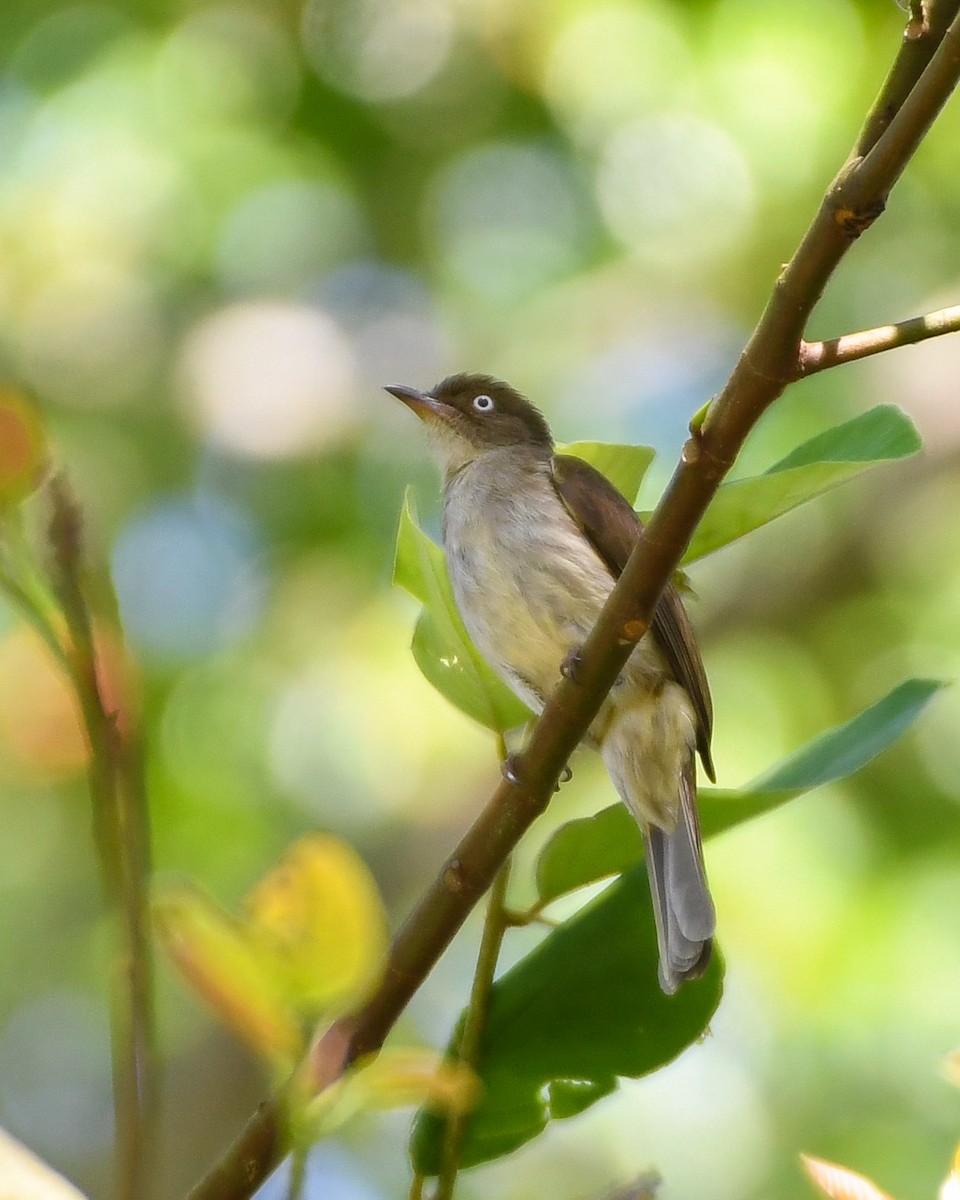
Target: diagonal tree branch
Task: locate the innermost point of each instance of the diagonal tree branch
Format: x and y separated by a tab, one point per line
820	356
920	82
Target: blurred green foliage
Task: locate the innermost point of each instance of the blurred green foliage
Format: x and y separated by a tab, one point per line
223	227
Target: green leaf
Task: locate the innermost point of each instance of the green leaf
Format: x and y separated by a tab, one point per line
839	752
624	466
881	435
608	843
441	646
582	1010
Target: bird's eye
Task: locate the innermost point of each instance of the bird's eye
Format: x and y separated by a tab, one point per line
483	403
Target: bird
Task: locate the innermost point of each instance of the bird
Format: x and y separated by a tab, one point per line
534	542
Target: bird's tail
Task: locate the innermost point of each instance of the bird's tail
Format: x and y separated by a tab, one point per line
682	905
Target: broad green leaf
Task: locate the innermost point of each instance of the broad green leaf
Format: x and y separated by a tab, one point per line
221	962
624	466
318	918
881	435
608	843
839	752
441	646
582	1010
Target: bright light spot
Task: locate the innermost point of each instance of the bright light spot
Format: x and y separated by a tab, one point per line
783	72
321	752
613	62
269	380
378	49
92	337
41	736
644	386
392	321
227	60
280	237
507	218
185	577
55	1076
675	189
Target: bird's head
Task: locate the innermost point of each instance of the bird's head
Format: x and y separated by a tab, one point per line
468	416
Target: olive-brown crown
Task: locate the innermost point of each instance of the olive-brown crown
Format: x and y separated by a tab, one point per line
494	413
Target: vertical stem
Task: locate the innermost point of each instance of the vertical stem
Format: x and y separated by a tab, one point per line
495	925
122	835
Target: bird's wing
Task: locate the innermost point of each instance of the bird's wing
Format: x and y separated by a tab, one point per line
613	529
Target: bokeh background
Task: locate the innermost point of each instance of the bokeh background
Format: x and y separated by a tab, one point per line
223	226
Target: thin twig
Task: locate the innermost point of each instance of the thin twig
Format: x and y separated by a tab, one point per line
768	364
122	838
471	1042
21	599
915	53
820	356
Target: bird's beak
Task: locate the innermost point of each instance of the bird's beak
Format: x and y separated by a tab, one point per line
422	403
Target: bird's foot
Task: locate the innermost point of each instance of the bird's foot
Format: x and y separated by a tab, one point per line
565	776
510	769
570	667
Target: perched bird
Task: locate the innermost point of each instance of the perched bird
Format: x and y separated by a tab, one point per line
534	542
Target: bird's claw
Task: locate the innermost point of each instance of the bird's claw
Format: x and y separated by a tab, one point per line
565	776
509	768
570	667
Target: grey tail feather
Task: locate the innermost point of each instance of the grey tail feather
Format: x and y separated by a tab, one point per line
682	905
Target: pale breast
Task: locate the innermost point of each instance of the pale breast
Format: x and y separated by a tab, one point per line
526	581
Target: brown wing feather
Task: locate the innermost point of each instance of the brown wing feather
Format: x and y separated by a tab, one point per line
613	528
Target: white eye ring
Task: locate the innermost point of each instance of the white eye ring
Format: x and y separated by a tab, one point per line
483	403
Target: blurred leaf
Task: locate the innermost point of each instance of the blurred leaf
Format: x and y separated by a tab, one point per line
217	957
23	1176
23	448
839	752
625	466
608	843
318	917
393	1079
839	1183
581	1010
441	646
881	435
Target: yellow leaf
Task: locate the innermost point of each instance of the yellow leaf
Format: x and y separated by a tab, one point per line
951	1067
840	1183
23	448
223	964
394	1079
318	916
401	1077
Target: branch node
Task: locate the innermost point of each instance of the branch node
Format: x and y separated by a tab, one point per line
854	222
633	631
453	876
691	450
